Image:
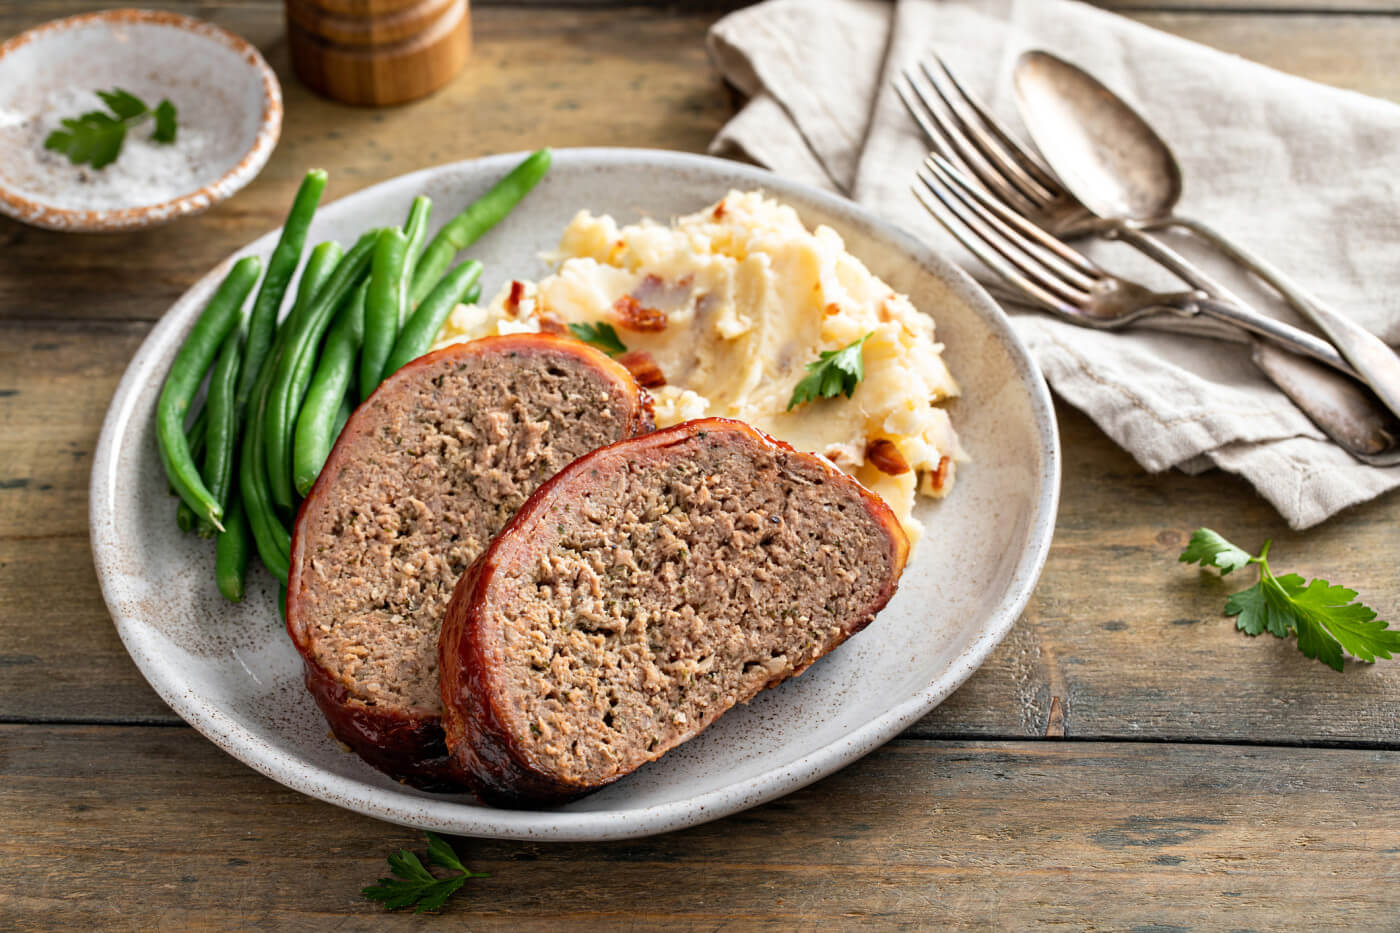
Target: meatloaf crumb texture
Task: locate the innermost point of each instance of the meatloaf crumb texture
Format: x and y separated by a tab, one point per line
426	472
645	591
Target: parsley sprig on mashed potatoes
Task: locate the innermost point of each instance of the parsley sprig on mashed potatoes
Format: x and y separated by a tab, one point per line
730	304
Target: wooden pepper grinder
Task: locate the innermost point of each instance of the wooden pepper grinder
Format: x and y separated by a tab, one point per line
376	53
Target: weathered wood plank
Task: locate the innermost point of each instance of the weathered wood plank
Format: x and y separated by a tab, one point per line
61	658
150	827
56	380
40	10
1132	642
644	69
626	77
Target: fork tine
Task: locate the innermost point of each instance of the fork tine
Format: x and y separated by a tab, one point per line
955	102
968	155
976	247
1002	255
1049	264
1078	262
931	132
1020	155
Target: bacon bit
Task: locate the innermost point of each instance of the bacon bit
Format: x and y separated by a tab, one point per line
642	366
648	288
549	324
718	212
517	292
634	316
886	457
832	309
939	476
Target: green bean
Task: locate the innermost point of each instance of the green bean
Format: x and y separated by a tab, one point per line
222	435
195	434
197	430
286	256
415	230
191	363
231	551
270	535
342	415
297	360
384	307
421	329
324	259
467	227
184	515
315	433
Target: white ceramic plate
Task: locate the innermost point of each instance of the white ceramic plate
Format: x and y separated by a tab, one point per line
228	99
232	673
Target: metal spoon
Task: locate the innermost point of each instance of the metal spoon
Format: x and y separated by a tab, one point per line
1121	170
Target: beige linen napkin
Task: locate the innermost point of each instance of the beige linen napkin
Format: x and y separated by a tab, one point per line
1306	174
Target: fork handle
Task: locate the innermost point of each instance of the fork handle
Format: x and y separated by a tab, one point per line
1377	365
1299	341
1228	306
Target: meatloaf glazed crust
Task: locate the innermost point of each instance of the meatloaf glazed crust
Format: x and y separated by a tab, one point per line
501	761
372	488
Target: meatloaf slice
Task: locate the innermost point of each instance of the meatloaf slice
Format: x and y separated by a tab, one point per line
643	591
425	472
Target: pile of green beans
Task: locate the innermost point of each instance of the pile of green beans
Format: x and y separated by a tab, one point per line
279	394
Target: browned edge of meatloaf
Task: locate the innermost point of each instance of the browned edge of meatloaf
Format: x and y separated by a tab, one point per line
408	743
478	737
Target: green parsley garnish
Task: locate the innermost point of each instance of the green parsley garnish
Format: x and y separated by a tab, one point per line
1326	618
600	335
96	137
417	887
835	372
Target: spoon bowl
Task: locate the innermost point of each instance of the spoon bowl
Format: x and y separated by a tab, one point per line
1108	156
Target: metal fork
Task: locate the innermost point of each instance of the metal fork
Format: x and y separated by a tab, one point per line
1060	279
966	136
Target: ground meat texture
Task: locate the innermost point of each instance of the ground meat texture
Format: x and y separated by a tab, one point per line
425	472
643	592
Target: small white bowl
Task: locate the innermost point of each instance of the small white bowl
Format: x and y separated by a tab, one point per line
228	100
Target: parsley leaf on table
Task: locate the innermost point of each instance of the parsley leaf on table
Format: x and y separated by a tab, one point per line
1212	550
96	137
833	373
600	335
417	887
1327	619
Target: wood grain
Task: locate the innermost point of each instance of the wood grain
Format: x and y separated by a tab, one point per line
1133	642
147	826
378	53
630	76
1058	788
617	77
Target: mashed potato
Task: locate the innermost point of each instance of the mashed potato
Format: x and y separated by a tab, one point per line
729	305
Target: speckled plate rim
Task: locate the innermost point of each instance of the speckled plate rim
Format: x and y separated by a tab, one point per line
622	823
111	220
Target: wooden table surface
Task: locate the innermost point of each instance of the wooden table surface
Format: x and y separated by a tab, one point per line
1190	777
